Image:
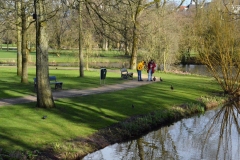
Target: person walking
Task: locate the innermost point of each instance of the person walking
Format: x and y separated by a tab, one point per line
150	71
140	67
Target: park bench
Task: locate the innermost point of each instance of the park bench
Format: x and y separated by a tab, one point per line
125	74
52	80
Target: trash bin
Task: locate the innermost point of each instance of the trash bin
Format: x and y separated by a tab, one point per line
103	73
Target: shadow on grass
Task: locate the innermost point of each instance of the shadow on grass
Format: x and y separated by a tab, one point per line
82	116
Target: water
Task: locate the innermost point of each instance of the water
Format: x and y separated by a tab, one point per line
196	138
194	69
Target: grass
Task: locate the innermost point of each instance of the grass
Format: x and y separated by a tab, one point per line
68	56
23	129
10	85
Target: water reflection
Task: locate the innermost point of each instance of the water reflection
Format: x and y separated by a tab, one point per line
214	135
194	69
226	123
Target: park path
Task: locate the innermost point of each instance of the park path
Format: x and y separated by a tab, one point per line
75	93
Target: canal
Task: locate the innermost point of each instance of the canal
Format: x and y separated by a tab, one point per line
212	135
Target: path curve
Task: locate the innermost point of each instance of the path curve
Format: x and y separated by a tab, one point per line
76	93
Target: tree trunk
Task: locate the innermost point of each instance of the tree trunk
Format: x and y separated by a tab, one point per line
7	41
87	66
19	39
58	37
81	64
133	62
126	43
126	49
24	78
44	92
105	44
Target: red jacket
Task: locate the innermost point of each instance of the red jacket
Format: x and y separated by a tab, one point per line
151	65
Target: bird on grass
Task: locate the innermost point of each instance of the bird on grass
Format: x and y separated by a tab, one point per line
132	106
154	78
161	79
44	117
171	88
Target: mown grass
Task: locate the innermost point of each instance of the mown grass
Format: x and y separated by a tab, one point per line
10	83
22	126
68	56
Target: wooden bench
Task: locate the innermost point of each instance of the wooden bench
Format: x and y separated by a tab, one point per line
125	74
52	80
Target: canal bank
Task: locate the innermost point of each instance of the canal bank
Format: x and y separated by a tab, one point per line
137	126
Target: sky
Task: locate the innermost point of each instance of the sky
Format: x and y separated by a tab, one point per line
187	2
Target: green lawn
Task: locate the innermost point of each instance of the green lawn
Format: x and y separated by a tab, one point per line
11	54
22	127
68	56
10	85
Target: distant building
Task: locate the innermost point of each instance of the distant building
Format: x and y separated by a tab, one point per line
192	5
236	9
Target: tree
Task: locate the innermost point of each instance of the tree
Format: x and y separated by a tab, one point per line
11	20
137	8
112	21
217	42
44	93
81	64
62	31
160	35
124	21
88	43
135	37
19	37
24	49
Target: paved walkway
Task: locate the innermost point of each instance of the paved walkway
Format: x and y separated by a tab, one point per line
75	93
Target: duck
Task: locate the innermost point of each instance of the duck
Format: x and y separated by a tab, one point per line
154	78
44	117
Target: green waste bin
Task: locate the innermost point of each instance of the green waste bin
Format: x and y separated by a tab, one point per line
103	73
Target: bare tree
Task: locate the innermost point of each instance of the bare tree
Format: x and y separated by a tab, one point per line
19	37
160	35
62	32
44	93
9	14
81	62
24	49
88	43
217	42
